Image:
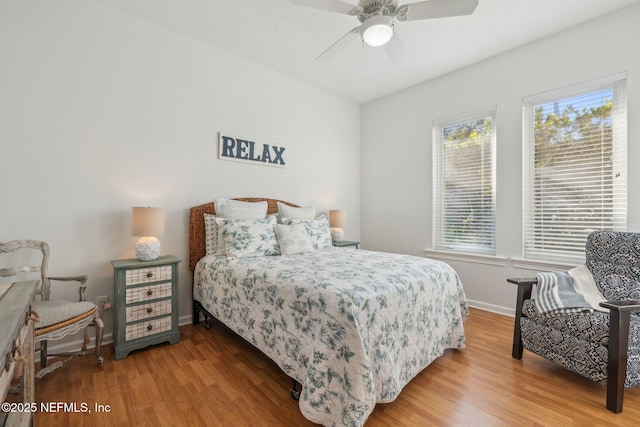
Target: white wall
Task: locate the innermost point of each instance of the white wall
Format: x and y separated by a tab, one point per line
101	111
397	156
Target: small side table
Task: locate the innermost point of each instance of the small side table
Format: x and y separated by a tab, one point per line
346	243
146	303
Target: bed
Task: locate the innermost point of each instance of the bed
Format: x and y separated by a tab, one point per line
351	326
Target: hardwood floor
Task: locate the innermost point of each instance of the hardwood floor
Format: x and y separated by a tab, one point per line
214	378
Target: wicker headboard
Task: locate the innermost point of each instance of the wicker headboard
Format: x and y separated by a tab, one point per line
197	248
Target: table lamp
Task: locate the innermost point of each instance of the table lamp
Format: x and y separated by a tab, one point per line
147	223
337	221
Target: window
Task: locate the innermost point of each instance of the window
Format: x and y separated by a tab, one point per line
464	182
575	167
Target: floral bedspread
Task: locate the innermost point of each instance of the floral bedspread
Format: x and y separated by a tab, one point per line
352	326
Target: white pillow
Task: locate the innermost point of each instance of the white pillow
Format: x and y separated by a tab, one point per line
317	229
293	239
248	237
210	234
286	211
235	209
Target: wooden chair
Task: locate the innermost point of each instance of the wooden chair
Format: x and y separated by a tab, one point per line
55	318
603	347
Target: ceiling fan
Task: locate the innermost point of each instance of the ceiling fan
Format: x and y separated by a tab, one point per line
377	17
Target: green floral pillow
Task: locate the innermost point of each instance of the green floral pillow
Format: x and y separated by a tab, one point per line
248	237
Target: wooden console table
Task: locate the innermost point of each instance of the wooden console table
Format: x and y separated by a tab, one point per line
16	342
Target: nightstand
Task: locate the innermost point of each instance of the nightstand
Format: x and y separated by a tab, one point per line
146	303
346	243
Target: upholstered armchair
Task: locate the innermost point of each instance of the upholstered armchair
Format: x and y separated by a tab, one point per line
55	319
601	346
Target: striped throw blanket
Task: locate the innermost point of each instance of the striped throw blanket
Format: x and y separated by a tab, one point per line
556	295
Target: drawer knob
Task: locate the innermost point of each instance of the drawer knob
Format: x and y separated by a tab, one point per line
149	327
150	274
149	309
150	292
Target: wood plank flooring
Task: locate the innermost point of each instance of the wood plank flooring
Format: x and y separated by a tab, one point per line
214	378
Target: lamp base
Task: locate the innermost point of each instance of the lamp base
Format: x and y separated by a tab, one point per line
337	234
148	248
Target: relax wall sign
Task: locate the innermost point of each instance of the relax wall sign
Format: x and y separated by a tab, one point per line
244	150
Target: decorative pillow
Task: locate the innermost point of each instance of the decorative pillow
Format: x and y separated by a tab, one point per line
248	237
293	239
235	209
286	211
317	229
210	233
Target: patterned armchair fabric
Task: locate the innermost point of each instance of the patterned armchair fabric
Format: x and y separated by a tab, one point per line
580	342
613	258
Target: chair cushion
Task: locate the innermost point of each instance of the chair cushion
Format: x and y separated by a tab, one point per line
583	357
592	327
57	314
578	342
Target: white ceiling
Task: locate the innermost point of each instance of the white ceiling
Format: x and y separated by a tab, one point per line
287	38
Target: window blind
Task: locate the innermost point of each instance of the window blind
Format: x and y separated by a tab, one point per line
575	167
464	182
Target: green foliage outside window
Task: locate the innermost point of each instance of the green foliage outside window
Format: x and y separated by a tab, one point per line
468	205
573	171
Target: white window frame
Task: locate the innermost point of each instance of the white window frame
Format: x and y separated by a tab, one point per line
440	239
541	240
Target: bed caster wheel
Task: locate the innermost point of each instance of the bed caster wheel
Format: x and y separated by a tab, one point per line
207	324
101	361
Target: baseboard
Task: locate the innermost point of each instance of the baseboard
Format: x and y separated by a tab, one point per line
185	320
69	346
492	308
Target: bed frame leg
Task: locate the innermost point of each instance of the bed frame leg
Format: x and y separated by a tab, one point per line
197	309
294	392
196	313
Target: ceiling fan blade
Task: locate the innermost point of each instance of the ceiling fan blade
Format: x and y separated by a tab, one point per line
438	9
329	6
342	43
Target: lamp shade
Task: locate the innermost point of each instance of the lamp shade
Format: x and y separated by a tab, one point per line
337	218
377	30
147	222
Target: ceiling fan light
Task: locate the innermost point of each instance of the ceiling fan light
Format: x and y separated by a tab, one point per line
377	30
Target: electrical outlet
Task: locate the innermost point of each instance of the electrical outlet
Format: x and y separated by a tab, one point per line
103	303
